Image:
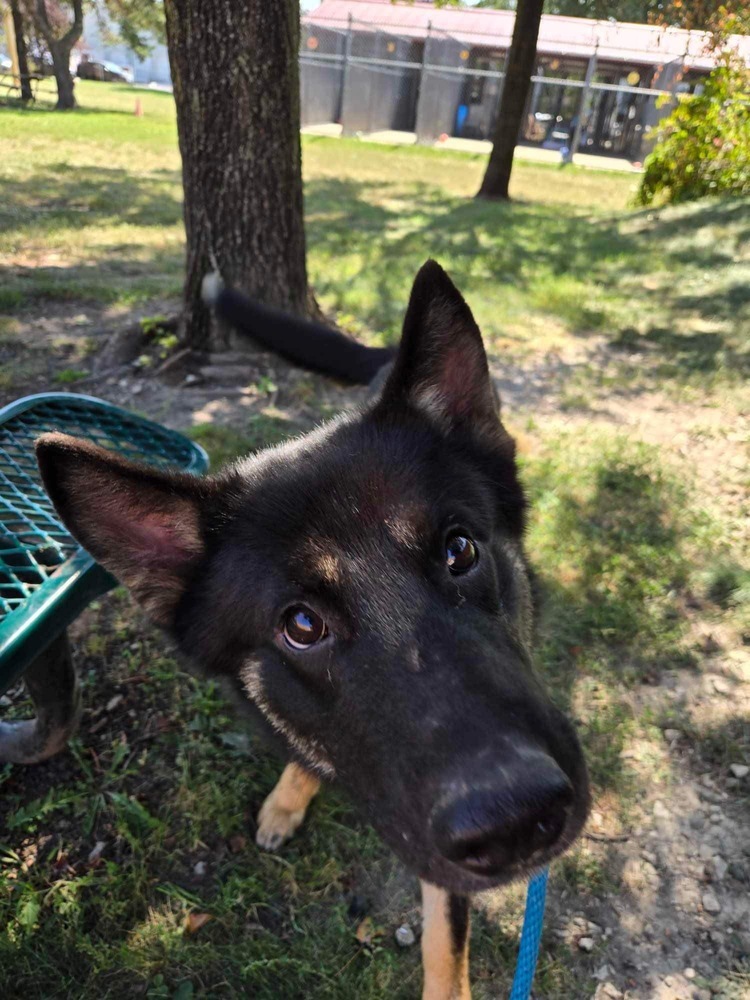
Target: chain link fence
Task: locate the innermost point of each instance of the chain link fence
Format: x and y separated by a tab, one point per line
322	62
368	80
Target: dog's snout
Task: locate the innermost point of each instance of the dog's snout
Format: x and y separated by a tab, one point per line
502	823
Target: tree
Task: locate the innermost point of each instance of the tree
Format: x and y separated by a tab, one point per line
695	14
21	51
703	146
518	70
60	35
58	24
236	85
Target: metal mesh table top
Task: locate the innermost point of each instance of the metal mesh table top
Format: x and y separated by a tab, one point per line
33	541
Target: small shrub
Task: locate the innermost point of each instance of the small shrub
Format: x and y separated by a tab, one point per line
703	146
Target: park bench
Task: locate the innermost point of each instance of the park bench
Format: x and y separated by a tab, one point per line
10	85
46	578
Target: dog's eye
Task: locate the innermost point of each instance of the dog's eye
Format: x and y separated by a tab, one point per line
460	553
302	627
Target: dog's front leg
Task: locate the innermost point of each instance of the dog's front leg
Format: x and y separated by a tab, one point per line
285	807
445	944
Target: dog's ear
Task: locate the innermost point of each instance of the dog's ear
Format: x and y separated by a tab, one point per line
441	366
144	526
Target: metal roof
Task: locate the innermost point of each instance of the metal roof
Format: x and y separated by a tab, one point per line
642	44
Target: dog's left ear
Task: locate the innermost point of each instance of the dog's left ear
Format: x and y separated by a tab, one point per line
143	525
441	366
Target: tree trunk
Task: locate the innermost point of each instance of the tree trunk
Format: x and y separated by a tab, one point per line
60	52
60	49
23	59
236	85
519	69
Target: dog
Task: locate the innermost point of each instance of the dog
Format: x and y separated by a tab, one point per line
365	588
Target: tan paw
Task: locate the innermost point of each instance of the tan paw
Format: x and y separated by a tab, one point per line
275	825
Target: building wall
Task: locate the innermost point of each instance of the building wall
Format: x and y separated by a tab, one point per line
94	43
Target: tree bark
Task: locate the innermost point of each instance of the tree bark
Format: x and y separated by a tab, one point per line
236	85
21	52
519	69
60	50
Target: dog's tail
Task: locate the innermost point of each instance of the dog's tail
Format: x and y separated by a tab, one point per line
304	342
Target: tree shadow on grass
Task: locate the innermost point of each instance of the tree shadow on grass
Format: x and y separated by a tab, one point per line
561	260
610	535
83	196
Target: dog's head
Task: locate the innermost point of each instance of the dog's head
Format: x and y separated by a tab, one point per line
365	587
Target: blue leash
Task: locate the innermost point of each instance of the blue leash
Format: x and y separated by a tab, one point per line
531	936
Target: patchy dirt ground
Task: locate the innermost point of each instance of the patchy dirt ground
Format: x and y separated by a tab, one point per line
673	918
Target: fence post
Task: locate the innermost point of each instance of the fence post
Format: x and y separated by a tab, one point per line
345	73
575	141
10	41
420	96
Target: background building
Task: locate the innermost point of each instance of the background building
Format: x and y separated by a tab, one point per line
373	65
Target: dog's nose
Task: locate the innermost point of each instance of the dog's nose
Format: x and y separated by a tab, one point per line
491	827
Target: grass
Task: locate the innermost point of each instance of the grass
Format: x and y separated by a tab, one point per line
567	258
163	775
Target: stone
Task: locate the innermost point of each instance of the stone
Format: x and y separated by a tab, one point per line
737	870
697	820
718	868
671	735
200	869
586	943
739	770
689	973
721	685
405	936
607	991
96	851
710	903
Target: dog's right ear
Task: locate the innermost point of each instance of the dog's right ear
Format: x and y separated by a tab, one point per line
143	525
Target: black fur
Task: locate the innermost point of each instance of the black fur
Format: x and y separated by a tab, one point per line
304	342
458	918
422	700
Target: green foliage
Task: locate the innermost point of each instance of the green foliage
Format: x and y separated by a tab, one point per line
703	146
139	22
69	375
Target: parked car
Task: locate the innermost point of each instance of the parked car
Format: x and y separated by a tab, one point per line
88	69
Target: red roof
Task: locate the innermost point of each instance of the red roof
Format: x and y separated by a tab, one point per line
643	44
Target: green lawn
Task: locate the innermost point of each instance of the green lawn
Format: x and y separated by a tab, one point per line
639	542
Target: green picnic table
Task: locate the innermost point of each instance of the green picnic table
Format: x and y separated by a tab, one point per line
46	578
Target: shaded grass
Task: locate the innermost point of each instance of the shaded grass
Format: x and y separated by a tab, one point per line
98	217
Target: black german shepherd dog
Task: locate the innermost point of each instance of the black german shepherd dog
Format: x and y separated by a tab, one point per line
364	586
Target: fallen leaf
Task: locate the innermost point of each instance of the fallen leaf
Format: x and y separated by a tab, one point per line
367	932
195	921
237	843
